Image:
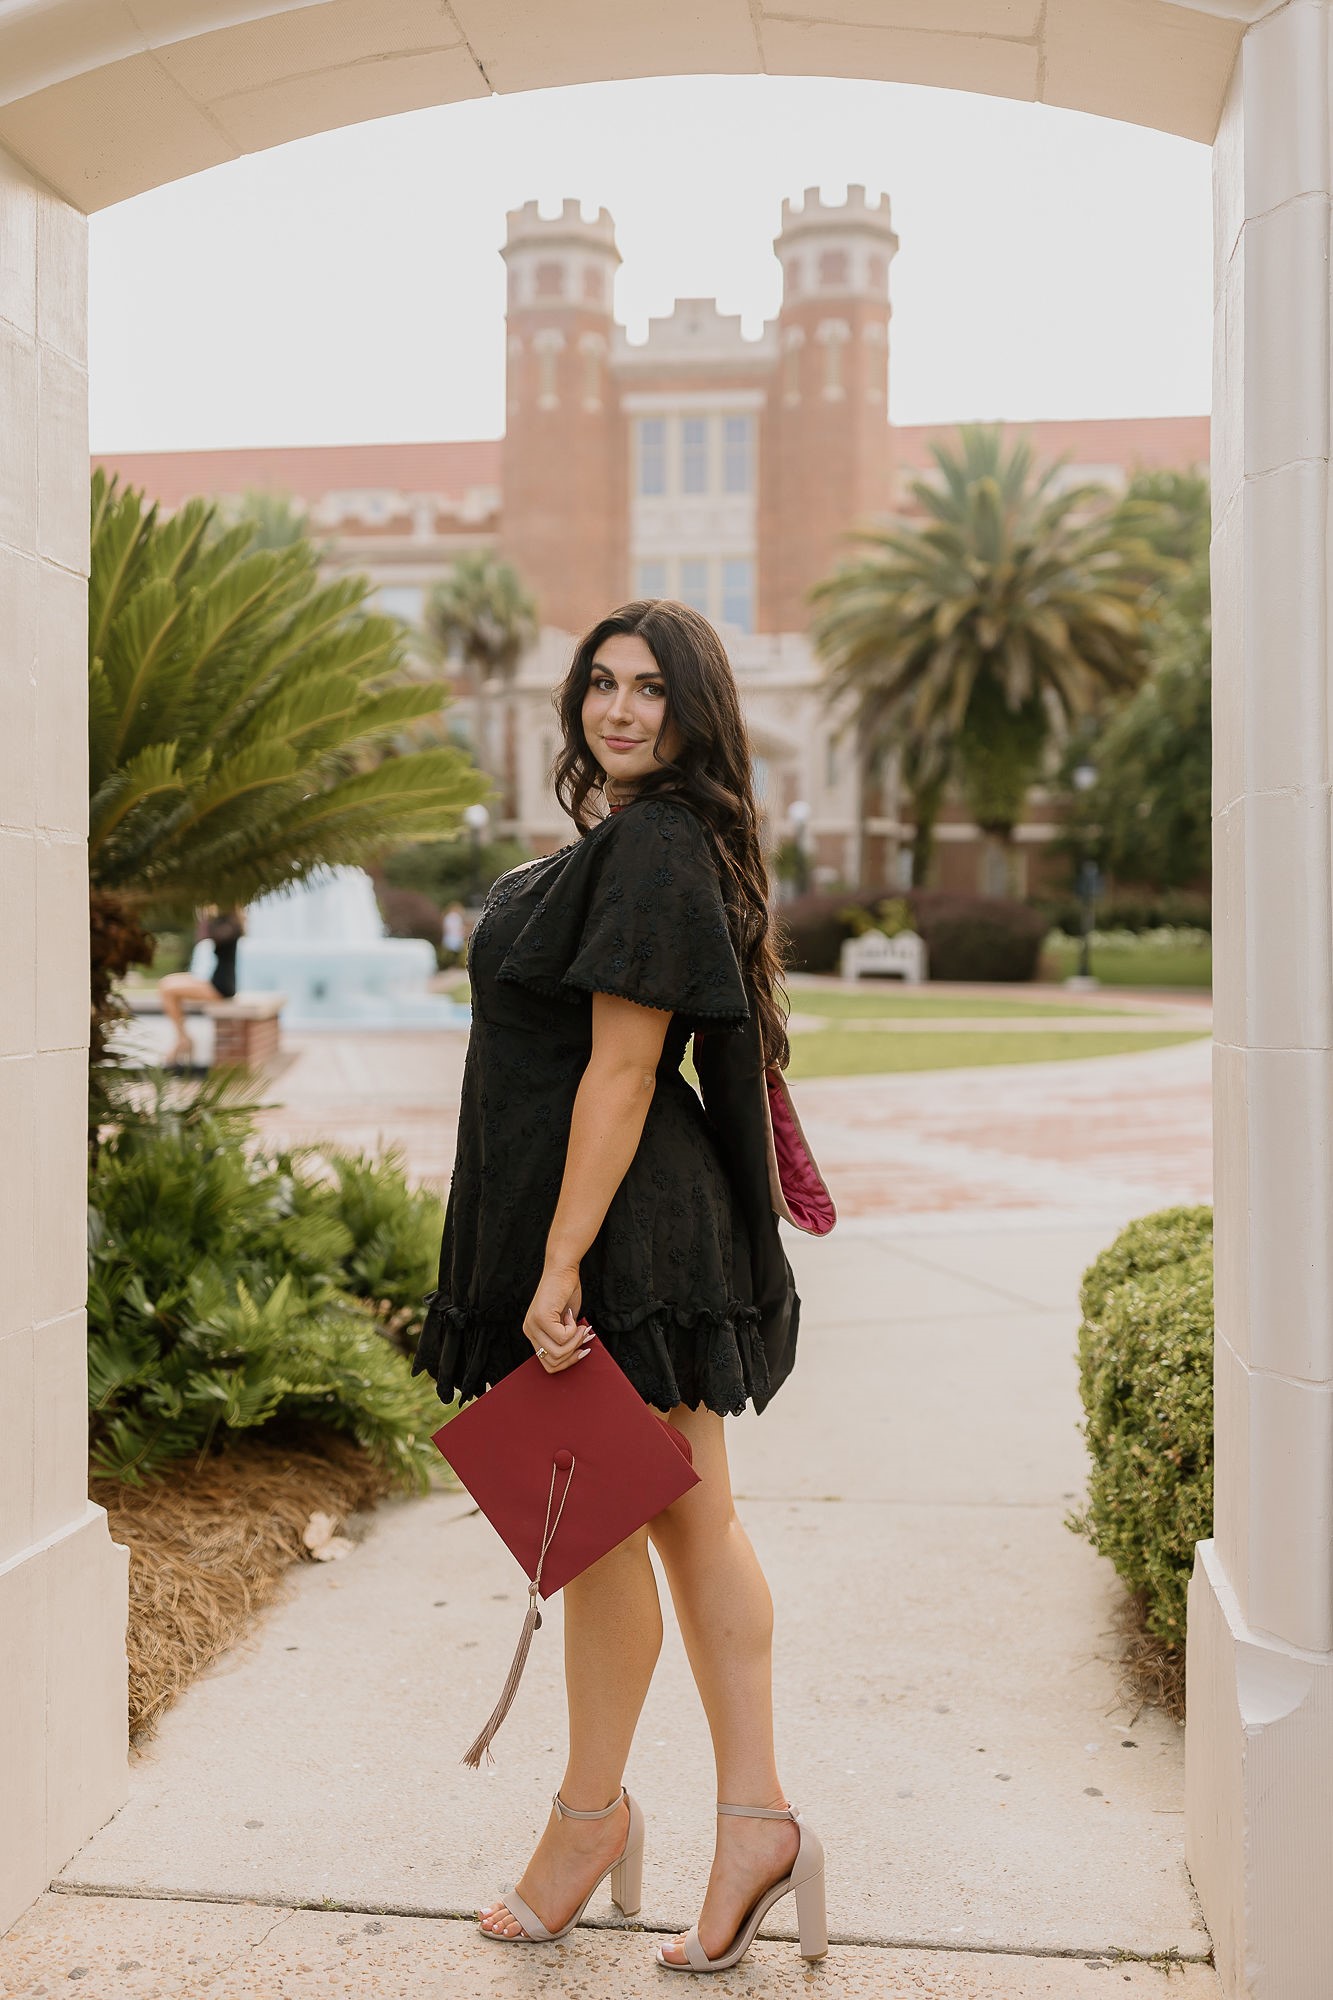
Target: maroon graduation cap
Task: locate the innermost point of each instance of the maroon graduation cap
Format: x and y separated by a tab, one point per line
564	1467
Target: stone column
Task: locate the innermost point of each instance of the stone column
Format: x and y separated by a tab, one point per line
62	1580
1259	1740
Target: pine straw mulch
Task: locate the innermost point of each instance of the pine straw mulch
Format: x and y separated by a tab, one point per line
209	1544
1151	1672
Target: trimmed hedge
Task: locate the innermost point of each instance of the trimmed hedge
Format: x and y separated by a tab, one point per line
1145	1351
967	937
1126	911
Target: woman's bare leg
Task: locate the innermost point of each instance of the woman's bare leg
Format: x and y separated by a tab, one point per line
725	1613
613	1635
175	989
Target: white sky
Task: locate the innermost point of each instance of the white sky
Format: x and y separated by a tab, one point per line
348	288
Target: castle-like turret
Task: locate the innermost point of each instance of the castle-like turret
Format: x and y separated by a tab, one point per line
826	432
563	523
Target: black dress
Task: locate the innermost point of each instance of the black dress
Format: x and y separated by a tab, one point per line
633	908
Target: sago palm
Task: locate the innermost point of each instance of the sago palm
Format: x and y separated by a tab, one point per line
1015	608
482	614
237	706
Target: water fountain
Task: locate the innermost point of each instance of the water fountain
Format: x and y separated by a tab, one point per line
322	943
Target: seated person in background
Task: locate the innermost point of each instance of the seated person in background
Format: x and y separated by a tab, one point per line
223	928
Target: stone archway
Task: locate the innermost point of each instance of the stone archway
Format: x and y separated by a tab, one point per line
95	107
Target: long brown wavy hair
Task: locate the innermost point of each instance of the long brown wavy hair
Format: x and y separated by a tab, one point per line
713	774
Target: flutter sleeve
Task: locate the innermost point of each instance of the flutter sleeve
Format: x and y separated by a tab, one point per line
638	914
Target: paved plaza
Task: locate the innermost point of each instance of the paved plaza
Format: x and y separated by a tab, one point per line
999	1822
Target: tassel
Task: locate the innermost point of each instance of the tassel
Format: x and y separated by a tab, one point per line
564	1462
533	1618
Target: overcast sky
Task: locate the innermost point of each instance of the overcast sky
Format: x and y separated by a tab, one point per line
348	288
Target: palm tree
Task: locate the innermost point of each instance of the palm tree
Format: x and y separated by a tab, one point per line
482	614
237	712
1018	607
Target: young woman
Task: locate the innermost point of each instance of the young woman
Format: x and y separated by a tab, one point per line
591	1199
224	930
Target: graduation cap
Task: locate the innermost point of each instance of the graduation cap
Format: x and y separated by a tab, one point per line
564	1467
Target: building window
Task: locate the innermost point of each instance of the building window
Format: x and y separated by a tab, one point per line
832	268
592	284
652	455
833	336
830	763
737	433
550	280
693	455
651	579
694	582
547	344
738	593
592	346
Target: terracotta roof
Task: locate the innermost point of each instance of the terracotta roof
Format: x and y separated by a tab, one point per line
1127	441
307	472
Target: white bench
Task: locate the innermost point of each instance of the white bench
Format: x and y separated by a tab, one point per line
902	957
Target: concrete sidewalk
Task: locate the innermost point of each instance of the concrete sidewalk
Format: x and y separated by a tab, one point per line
997	1822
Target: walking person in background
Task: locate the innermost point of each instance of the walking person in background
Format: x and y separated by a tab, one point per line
454	932
224	930
594	1197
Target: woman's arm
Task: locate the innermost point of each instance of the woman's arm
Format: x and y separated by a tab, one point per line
610	1107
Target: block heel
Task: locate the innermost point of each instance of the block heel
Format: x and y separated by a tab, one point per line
812	1915
627	1880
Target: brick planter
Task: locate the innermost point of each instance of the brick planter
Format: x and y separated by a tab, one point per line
245	1030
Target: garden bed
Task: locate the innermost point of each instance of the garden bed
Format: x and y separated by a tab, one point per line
210	1544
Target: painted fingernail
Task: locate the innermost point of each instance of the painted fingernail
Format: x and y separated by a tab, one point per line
583	1354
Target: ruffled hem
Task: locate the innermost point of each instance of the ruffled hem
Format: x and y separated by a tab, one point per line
672	1354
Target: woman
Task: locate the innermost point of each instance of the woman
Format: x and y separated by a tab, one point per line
590	1199
223	929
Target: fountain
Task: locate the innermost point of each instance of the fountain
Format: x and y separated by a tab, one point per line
322	943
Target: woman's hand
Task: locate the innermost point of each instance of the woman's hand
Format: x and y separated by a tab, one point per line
552	1320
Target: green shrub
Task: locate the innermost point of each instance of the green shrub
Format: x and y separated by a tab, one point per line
1125	911
1145	1352
232	1286
977	937
967	937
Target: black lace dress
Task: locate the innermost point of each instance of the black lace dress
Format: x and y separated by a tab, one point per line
633	908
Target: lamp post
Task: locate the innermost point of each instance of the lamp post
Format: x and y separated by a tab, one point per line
1089	888
798	818
476	819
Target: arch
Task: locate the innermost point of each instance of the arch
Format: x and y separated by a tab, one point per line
103	102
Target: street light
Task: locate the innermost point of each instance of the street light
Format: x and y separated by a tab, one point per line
476	819
1089	886
798	816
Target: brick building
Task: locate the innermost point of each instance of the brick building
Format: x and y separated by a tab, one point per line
696	464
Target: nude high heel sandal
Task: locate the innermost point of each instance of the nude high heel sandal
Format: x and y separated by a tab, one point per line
806	1879
626	1874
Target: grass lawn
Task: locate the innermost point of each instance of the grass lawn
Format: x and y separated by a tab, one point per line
1143	967
877	999
857	1053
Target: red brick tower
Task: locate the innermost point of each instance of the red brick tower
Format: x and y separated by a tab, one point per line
825	436
563	522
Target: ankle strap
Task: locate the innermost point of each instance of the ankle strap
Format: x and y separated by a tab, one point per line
760	1812
573	1812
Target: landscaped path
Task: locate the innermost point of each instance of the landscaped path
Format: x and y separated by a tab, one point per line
998	1822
